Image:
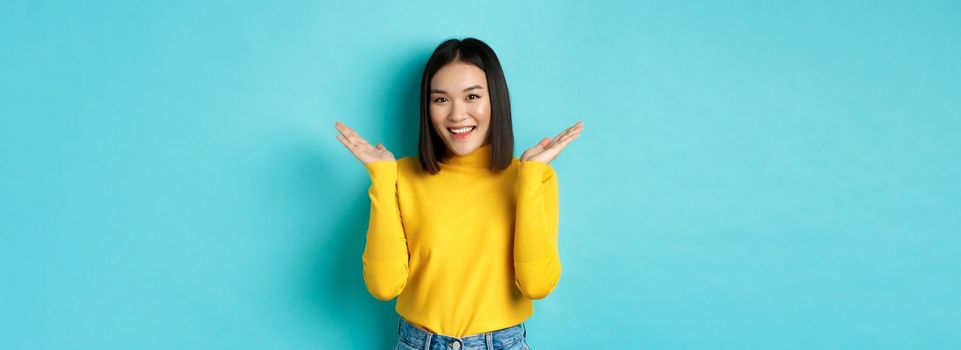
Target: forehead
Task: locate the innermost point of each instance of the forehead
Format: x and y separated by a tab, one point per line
457	75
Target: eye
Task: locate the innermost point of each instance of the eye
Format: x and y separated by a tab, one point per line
440	100
472	97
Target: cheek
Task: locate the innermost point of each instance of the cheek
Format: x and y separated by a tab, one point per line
436	115
482	111
437	121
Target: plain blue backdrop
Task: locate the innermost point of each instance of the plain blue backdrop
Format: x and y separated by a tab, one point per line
751	175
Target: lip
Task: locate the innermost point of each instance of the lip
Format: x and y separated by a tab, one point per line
463	136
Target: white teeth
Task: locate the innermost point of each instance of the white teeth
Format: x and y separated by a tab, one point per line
461	130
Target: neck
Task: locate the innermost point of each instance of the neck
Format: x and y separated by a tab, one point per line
479	158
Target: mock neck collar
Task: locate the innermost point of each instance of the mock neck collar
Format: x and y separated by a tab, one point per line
479	158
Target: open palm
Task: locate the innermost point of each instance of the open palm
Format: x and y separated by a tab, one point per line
359	147
548	149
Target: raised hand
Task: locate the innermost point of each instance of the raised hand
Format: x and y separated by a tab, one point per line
546	150
359	147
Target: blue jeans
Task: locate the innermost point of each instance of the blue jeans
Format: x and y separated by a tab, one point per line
411	337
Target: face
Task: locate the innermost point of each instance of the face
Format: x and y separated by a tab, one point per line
460	108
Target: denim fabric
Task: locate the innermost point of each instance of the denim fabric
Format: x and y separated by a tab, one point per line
411	337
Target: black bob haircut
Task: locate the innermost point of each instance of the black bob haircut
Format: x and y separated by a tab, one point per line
475	52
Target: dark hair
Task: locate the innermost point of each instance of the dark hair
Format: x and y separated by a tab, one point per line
475	52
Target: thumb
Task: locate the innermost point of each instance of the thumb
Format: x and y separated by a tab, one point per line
546	141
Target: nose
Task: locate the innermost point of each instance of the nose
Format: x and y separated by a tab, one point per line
458	112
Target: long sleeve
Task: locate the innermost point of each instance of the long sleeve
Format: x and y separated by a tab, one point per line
537	263
385	257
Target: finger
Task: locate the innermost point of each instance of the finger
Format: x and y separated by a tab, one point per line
568	131
341	128
344	130
347	144
353	147
572	135
355	137
558	137
561	135
352	135
350	139
536	149
540	144
356	149
563	143
562	140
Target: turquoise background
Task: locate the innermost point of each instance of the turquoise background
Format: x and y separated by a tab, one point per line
751	175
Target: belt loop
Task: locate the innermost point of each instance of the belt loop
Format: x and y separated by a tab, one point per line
490	340
427	341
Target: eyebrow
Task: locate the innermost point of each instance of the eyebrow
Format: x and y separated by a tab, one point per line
465	90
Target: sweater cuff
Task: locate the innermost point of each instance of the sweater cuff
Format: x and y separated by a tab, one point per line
382	171
533	171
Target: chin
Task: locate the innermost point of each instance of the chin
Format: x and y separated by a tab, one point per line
463	148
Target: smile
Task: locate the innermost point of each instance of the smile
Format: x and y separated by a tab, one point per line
461	133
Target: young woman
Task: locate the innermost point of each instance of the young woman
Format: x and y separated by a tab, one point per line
466	233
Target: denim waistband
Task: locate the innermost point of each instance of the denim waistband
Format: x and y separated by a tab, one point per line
422	339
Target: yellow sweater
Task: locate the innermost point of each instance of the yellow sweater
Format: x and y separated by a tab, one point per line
465	249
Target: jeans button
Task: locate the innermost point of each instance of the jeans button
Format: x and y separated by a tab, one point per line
455	345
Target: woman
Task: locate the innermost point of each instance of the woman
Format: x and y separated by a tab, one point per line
465	234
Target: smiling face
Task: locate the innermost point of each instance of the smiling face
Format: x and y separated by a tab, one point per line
460	108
